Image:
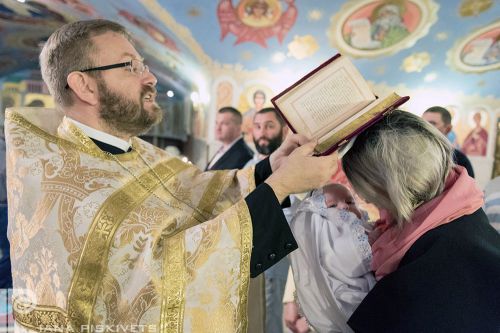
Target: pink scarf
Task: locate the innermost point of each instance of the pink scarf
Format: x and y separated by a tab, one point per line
461	196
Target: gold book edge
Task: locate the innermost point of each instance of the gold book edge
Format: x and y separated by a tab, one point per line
337	137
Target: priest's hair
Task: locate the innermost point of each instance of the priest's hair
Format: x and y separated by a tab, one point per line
70	48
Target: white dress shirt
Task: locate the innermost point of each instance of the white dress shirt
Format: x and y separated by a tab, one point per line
222	150
102	136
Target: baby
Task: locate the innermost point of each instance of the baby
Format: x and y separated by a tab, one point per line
331	268
338	196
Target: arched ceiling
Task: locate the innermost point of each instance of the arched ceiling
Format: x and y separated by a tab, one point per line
438	43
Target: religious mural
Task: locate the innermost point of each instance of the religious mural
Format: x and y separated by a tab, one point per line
150	29
253	99
496	163
476	141
256	20
371	28
479	51
474	7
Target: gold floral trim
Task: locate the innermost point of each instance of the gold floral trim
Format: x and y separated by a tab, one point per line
89	145
173	285
246	252
214	189
338	136
40	318
93	259
91	150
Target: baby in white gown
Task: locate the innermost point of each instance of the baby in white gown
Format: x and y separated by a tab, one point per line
331	268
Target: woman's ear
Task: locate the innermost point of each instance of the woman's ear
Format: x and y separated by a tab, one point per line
84	87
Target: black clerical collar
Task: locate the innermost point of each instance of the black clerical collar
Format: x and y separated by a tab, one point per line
109	148
105	141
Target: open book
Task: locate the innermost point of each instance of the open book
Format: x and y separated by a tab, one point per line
332	104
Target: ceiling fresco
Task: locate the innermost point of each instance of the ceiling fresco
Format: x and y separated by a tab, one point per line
418	43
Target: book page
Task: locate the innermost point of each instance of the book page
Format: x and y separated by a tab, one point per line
356	121
326	99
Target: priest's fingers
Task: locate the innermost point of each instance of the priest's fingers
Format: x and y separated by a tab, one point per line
307	149
297	139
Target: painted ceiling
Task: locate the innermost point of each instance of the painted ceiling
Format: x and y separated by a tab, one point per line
430	43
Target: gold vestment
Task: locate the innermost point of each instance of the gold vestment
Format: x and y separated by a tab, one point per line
102	244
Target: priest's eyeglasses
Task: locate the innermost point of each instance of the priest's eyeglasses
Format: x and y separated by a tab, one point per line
135	66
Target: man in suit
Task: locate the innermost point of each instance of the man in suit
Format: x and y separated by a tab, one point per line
268	132
440	118
234	153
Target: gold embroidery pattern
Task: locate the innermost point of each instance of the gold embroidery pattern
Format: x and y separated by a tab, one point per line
211	233
120	311
40	318
92	264
173	285
246	252
63	179
172	309
86	148
213	191
210	236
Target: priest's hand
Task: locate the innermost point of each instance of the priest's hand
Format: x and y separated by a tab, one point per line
300	171
292	141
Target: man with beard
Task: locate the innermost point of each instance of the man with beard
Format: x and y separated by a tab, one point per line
111	233
268	132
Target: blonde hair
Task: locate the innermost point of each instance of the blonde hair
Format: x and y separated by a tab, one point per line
399	163
70	48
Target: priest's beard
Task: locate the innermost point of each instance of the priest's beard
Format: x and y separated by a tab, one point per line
124	115
270	146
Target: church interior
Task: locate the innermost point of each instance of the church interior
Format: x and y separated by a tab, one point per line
207	55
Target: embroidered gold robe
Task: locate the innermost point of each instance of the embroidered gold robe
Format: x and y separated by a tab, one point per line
139	242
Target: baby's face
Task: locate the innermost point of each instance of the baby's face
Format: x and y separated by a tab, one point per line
339	196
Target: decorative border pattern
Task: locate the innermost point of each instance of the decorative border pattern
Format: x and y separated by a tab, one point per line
92	263
454	55
428	9
40	318
88	146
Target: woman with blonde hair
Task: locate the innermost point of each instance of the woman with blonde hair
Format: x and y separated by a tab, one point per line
435	256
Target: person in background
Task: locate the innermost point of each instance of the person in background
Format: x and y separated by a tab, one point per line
440	118
107	229
268	132
436	258
234	153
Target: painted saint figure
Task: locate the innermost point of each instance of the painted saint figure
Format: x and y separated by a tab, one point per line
387	24
476	142
259	99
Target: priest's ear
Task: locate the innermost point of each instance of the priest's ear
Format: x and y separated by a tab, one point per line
84	87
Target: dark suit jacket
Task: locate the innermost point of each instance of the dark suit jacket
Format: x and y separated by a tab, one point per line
460	159
235	158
